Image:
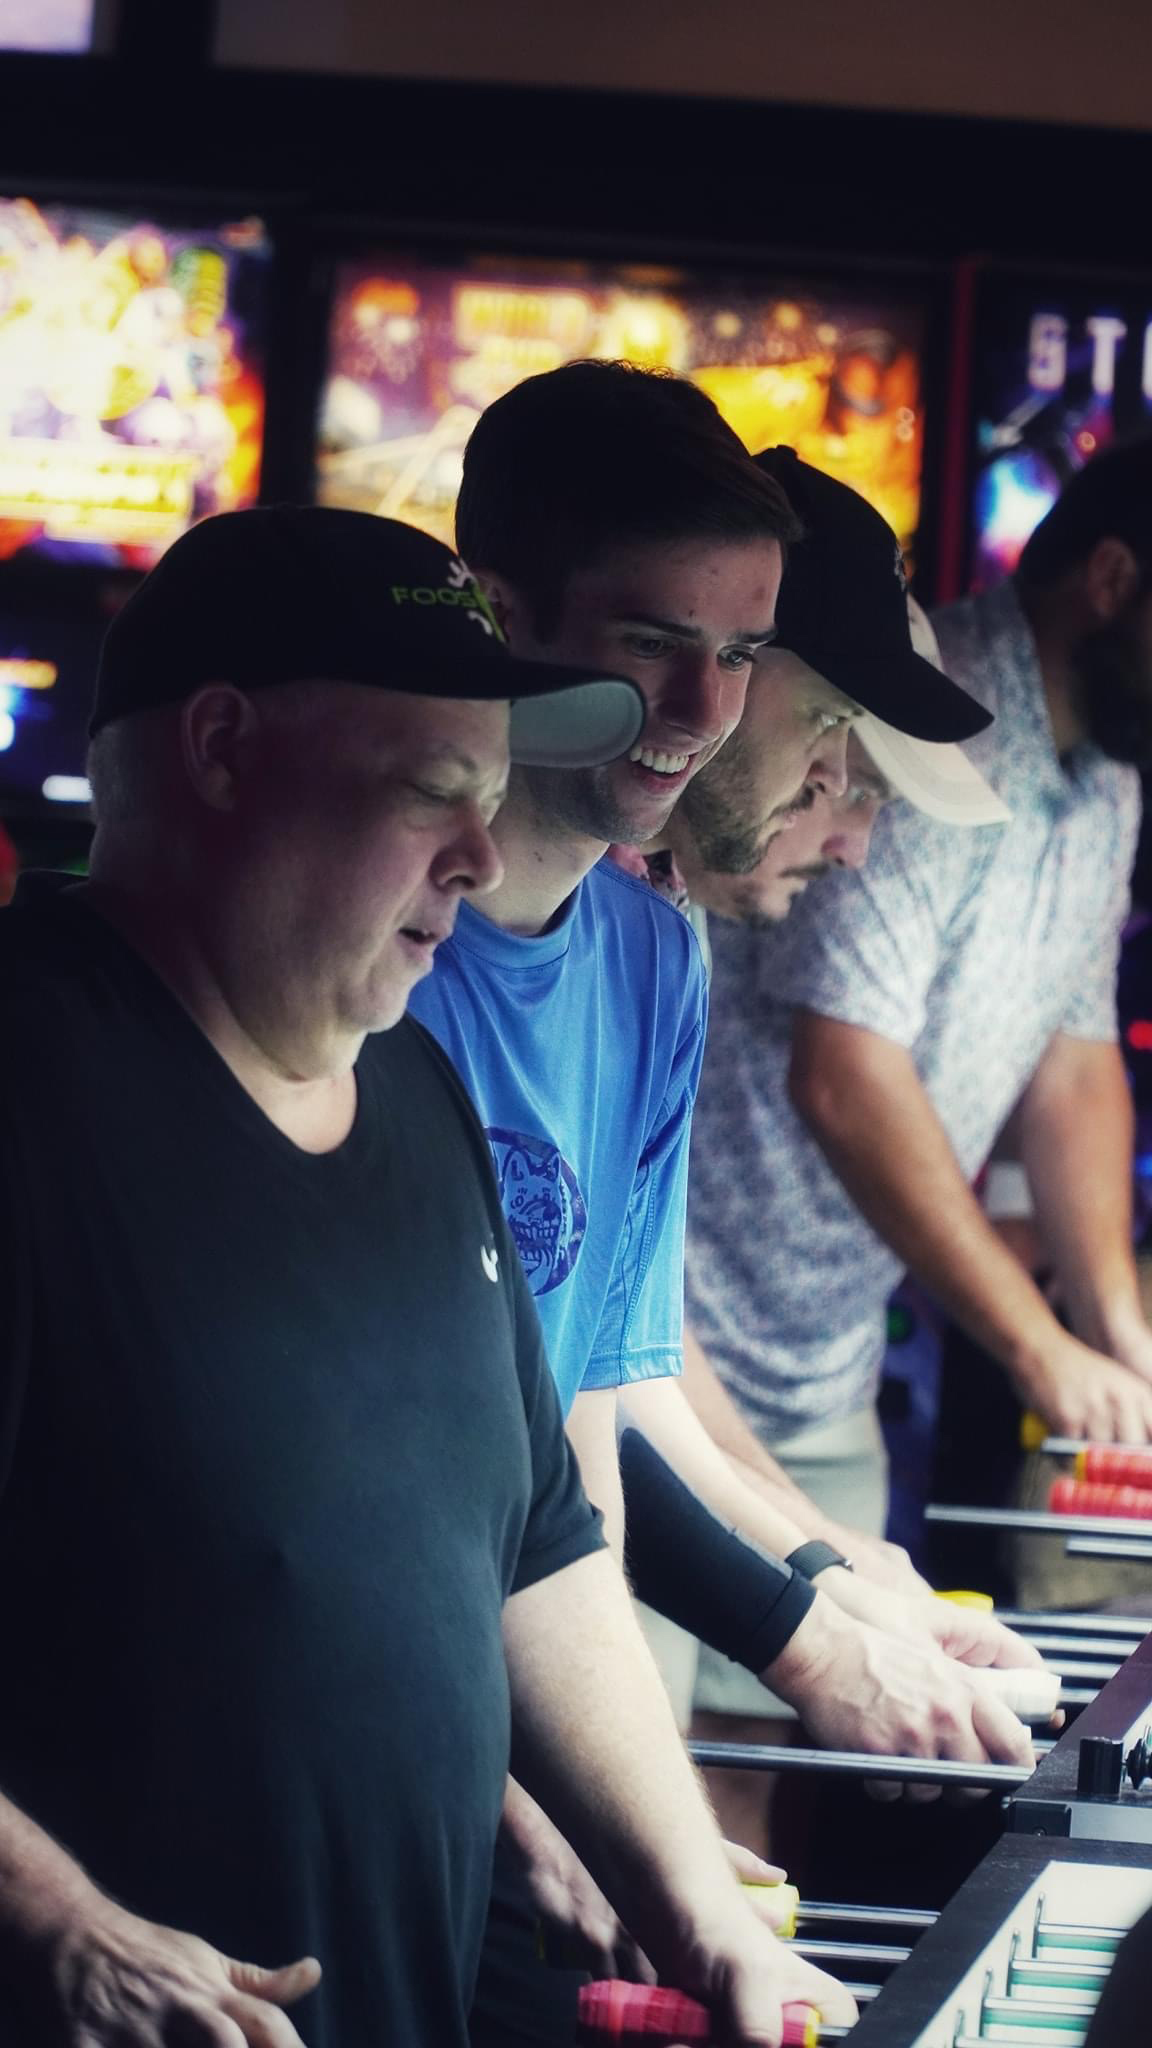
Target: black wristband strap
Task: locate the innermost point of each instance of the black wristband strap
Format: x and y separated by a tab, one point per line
689	1566
810	1558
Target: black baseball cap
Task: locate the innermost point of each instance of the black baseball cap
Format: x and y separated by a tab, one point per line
843	608
313	593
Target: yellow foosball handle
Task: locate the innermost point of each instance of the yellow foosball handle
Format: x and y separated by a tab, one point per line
785	1895
1034	1431
983	1601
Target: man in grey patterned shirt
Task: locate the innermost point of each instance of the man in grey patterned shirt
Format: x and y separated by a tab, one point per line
863	1057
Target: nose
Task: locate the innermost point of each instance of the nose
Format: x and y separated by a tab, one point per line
700	699
471	862
829	764
847	845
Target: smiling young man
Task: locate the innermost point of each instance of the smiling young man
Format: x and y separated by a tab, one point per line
611	515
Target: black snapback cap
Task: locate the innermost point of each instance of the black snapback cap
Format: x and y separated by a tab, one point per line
843	608
312	593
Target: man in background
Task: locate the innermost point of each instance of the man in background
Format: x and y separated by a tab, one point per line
863	1056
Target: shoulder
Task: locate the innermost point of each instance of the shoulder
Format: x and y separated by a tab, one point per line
644	917
409	1057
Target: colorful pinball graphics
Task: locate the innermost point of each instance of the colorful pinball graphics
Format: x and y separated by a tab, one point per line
417	350
131	380
1061	369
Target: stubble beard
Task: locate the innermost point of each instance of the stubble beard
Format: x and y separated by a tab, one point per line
584	802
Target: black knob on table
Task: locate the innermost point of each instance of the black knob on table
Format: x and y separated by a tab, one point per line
1101	1768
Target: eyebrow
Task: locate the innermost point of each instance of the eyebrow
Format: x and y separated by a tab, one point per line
446	754
871	780
760	636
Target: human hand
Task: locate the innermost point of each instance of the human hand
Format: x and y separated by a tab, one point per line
745	1976
116	1981
875	1560
856	1687
762	1881
1080	1393
1130	1344
965	1633
568	1896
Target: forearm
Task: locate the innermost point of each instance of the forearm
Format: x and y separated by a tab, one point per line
714	1407
1077	1138
597	1744
662	1412
42	1891
867	1107
694	1568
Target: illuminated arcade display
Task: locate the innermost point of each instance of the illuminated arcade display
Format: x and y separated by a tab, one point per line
416	351
131	380
61	25
47	670
1061	370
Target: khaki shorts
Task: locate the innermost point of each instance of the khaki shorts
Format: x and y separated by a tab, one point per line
843	1466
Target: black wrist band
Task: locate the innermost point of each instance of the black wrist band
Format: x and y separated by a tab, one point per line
810	1558
689	1566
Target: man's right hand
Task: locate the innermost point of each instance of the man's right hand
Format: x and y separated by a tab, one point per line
115	1981
857	1688
1081	1393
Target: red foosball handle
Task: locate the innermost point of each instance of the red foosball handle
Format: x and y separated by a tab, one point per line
615	2011
1104	1466
1082	1497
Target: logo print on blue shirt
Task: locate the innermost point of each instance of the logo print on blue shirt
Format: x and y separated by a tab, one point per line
541	1199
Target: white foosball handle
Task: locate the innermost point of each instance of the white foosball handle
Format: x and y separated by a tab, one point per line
1032	1692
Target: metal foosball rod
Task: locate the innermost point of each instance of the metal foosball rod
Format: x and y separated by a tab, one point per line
1117	1547
1110	1651
877	1955
767	1756
1133	1626
830	1912
1040	1522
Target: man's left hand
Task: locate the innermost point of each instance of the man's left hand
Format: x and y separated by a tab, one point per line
1131	1345
745	1975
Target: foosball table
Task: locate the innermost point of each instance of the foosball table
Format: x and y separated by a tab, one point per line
1023	1950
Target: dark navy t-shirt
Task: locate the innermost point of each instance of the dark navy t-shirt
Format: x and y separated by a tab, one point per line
277	1439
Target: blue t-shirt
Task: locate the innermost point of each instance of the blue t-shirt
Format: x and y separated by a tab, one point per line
581	1050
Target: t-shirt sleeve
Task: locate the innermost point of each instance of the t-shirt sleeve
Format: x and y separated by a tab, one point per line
562	1524
864	948
1092	1010
641	1330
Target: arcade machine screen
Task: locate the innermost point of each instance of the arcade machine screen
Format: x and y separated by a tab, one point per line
417	349
1061	369
131	405
64	26
131	380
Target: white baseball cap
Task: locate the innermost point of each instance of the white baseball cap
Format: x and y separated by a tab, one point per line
937	776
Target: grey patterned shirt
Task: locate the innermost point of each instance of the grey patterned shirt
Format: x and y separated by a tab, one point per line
969	947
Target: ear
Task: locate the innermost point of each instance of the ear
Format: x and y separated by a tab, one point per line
506	602
1110	576
215	727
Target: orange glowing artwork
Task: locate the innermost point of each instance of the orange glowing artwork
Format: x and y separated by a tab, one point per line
131	380
416	352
